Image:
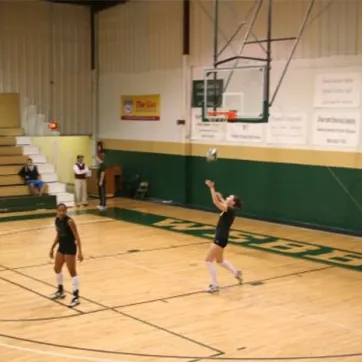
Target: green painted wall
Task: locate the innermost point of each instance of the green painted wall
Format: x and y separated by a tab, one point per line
271	191
165	173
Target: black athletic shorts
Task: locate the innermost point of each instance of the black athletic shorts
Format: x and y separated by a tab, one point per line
67	249
222	242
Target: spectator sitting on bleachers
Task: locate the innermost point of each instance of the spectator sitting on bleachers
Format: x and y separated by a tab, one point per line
30	175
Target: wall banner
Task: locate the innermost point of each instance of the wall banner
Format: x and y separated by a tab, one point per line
287	129
245	133
336	129
140	108
337	90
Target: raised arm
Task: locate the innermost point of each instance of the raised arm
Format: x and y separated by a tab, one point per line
220	197
218	201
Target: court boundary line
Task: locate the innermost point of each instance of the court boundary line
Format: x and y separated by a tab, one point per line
183	295
56	354
218	358
46	319
14	232
101	256
197	358
184	357
224	287
38	294
41	215
125	315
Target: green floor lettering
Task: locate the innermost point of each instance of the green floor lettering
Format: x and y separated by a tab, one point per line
290	248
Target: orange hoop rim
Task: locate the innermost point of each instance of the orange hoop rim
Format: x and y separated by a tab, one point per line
230	115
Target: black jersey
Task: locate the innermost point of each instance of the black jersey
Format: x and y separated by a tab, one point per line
226	219
67	244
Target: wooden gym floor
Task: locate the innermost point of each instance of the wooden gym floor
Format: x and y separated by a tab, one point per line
142	284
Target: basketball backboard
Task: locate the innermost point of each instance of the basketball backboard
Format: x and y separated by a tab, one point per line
239	91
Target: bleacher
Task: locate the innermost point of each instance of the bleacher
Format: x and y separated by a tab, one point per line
14	194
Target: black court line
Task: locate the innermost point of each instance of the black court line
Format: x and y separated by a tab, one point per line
164	299
44	319
296	273
116	254
194	358
39	294
15	232
216	356
126	315
223	288
206	358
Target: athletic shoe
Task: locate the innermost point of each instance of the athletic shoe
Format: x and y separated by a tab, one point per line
212	288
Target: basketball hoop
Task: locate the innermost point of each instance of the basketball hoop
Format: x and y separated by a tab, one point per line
223	116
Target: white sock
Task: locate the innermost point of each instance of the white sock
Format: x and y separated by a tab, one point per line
75	283
228	266
60	278
212	271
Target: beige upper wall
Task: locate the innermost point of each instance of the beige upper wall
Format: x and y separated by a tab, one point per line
140	52
140	49
140	36
45	57
333	28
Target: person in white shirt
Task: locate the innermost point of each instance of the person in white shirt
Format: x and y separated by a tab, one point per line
80	172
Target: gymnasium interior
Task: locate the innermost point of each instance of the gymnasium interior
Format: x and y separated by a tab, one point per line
261	96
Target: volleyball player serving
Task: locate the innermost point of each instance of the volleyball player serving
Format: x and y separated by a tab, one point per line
216	253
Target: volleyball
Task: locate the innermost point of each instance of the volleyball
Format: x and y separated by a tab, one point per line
211	154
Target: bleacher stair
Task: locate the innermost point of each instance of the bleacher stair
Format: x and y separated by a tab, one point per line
11	151
7	141
9	180
46	171
14	195
14	132
13	160
15	149
9	170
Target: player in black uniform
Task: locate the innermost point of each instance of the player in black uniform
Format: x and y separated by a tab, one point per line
226	219
69	241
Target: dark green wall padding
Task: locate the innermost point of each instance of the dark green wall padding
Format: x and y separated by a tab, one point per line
289	193
27	203
165	173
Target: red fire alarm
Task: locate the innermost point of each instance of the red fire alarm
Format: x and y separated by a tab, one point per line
53	125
